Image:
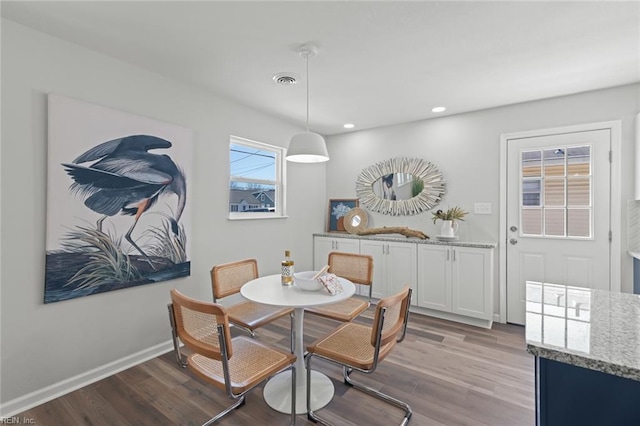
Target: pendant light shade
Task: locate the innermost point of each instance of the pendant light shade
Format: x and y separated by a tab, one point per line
307	147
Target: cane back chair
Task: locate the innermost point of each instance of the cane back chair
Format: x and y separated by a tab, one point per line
227	279
357	268
361	348
235	365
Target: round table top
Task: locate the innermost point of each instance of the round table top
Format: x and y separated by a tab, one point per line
268	290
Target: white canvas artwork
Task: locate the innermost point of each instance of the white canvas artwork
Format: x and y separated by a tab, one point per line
118	207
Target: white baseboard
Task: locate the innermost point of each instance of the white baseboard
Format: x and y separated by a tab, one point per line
476	322
33	399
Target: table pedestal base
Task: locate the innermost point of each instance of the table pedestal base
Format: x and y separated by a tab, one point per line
277	391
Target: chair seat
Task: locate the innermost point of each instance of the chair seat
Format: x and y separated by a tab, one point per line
253	315
251	363
343	311
350	344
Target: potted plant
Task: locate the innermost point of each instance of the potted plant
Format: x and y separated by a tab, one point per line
449	218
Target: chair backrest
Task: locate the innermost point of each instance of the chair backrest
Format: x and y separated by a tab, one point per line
199	325
395	311
357	268
228	278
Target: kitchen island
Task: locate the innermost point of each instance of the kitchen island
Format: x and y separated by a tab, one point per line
586	345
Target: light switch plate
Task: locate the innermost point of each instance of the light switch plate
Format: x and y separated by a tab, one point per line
482	208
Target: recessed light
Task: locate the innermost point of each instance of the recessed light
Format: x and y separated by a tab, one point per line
439	109
349	126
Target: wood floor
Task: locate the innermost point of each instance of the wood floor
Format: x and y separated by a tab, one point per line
450	374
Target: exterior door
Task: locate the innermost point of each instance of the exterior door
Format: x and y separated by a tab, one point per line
558	213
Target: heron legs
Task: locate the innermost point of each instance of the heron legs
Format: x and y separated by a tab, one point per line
128	237
99	222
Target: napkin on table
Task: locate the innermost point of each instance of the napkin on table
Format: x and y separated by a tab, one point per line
331	283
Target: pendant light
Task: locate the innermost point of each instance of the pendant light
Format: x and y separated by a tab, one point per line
307	147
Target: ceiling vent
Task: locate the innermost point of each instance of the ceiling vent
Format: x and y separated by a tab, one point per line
285	79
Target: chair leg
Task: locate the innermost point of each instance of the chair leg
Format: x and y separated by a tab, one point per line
239	403
174	337
248	330
310	414
375	393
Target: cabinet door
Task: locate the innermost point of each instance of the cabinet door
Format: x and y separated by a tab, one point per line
322	246
377	250
472	282
401	260
434	277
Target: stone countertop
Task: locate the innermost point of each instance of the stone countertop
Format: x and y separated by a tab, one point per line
594	329
401	238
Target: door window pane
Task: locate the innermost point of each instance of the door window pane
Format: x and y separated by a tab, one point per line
532	221
579	161
531	190
531	164
554	222
579	191
554	192
557	180
579	223
554	162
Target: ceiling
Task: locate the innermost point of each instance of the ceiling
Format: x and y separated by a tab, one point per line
378	63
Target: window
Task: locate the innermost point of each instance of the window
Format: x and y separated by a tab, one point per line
556	191
256	176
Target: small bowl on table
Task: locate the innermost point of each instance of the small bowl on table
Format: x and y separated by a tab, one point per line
305	281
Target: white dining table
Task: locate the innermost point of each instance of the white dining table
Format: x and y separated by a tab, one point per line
277	392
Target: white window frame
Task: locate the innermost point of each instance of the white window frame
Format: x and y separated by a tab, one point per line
280	187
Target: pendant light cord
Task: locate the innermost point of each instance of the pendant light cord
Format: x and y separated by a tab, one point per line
307	56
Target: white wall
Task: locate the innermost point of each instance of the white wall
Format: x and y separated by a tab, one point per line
466	148
57	346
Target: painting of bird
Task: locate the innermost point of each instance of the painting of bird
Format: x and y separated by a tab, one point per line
118	208
122	176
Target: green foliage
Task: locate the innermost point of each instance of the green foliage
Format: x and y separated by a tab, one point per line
416	186
108	264
453	213
167	244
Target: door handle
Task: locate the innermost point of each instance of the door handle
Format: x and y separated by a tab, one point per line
513	241
513	229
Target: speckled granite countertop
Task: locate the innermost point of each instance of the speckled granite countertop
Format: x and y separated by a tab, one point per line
594	329
392	237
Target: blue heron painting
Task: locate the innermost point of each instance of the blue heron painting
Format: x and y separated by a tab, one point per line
108	244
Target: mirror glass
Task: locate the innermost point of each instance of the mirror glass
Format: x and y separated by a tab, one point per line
397	186
355	221
400	186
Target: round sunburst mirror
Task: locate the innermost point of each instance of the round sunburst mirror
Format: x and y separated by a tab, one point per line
400	186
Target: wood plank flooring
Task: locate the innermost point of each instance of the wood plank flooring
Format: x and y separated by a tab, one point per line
450	374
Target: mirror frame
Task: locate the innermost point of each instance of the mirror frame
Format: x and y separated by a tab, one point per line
432	192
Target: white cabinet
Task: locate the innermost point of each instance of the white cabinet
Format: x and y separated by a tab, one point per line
472	282
394	266
322	246
450	281
434	277
456	279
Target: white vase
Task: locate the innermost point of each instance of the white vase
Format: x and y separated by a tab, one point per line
448	228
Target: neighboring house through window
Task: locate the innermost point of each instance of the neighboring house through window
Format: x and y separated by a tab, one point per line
256	180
